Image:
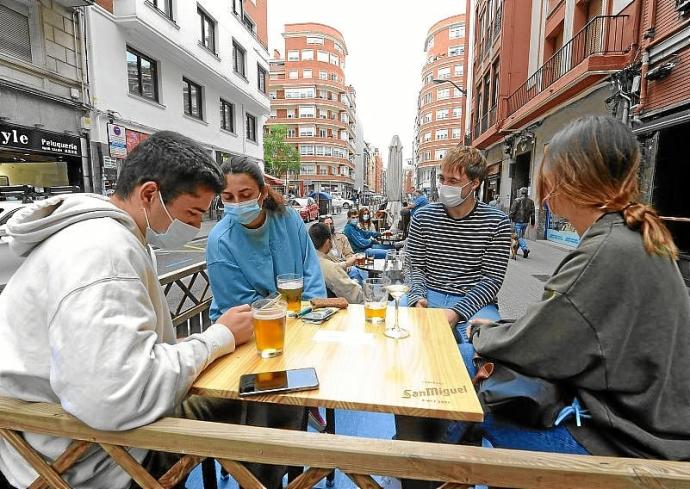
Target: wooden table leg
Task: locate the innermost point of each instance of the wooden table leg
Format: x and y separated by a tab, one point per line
330	428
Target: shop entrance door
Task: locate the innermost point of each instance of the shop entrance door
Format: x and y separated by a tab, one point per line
520	174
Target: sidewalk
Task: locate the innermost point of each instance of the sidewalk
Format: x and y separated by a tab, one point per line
524	282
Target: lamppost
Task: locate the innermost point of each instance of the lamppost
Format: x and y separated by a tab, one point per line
461	90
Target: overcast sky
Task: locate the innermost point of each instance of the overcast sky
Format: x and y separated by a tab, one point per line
385	43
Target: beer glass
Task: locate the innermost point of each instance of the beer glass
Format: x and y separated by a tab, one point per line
398	286
360	259
290	286
268	318
375	300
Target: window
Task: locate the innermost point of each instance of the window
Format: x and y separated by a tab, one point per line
427	137
427	78
456	50
338	47
459	70
307	131
334	60
442	93
427	98
314	40
239	56
323	75
456	133
291	133
440	154
427	155
164	6
306	74
323	170
308	169
208	30
293	75
238	7
323	133
249	23
442	134
306	149
429	43
142	75
227	115
302	92
251	127
307	55
426	118
192	99
272	94
456	30
307	111
444	73
441	114
457	112
261	78
15	36
293	55
322	56
456	93
333	77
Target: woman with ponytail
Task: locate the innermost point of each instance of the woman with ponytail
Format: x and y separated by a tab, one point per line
613	326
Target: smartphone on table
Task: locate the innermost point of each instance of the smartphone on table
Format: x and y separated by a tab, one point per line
319	316
299	379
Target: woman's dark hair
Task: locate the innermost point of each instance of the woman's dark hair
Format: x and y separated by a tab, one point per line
594	162
178	164
319	234
243	164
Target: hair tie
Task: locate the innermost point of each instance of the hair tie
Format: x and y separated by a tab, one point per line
630	204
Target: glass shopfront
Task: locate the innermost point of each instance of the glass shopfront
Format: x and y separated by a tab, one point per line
560	231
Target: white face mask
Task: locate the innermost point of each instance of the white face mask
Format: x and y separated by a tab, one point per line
176	236
452	196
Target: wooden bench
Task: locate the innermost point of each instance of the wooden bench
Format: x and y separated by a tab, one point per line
359	458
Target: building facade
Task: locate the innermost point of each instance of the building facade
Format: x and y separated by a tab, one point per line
550	63
198	68
43	98
310	96
378	175
440	122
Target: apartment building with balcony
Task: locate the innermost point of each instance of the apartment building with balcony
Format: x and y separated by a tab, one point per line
199	68
310	96
538	64
43	94
440	122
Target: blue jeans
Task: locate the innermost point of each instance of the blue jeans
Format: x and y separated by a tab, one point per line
520	228
359	275
378	251
447	301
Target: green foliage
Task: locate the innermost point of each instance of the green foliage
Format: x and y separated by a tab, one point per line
279	156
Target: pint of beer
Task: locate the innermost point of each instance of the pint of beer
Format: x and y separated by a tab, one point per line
360	259
291	286
375	300
268	318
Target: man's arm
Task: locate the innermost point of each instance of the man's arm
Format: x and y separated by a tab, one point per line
107	365
341	284
513	209
416	253
494	264
356	238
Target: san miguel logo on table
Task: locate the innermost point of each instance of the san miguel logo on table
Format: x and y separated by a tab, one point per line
438	391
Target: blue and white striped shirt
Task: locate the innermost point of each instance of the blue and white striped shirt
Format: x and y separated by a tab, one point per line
467	256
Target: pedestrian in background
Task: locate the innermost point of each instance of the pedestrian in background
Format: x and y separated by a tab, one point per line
522	215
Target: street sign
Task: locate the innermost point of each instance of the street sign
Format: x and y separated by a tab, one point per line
117	141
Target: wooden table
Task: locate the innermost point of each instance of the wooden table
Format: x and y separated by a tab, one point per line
360	369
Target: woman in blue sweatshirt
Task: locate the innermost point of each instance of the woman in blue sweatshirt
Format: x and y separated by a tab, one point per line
258	239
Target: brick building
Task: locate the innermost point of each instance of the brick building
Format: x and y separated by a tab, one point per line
440	122
309	95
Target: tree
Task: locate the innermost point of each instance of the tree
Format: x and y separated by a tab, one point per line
280	157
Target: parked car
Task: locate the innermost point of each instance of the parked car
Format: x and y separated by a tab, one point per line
306	207
339	202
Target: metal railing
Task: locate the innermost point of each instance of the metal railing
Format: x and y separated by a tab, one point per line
188	293
486	121
601	35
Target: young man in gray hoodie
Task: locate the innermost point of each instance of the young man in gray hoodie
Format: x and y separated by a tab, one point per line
84	321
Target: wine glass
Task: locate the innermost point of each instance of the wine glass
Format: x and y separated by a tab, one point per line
398	286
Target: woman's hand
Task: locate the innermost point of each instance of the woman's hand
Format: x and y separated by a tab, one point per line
477	323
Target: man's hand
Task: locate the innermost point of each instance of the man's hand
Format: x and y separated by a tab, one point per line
349	262
239	321
477	323
422	303
452	316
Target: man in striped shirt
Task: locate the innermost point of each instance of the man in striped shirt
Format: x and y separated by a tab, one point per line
459	248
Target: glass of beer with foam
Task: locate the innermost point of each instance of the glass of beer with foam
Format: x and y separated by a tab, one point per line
291	286
375	300
268	318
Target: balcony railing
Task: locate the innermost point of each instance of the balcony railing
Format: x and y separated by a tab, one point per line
486	121
602	35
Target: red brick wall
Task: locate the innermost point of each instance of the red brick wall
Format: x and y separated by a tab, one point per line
667	18
674	88
258	14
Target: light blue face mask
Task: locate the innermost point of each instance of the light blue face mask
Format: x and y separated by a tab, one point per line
354	221
176	236
244	212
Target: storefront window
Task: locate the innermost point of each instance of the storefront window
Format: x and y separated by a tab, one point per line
559	230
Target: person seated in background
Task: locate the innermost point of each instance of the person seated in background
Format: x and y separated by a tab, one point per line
360	239
341	245
365	220
337	280
420	200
